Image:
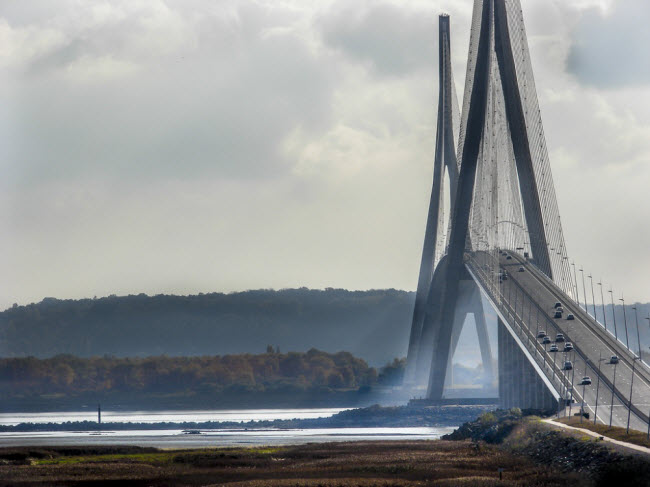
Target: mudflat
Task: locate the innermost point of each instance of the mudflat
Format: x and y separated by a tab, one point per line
383	463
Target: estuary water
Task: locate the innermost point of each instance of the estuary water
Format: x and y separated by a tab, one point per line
179	438
199	416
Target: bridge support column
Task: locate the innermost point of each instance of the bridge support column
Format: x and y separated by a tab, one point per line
519	384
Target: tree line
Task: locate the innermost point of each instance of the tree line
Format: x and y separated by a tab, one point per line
71	375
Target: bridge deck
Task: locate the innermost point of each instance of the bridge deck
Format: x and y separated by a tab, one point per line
527	299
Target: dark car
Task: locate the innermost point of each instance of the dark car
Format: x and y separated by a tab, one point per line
559	337
568	365
613	359
557	304
553	348
570	317
558	314
546	340
508	257
568	346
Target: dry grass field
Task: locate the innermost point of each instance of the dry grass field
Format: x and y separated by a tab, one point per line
389	463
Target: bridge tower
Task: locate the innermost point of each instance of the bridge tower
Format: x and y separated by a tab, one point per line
445	160
502	197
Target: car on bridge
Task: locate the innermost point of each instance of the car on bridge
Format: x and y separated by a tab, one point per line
570	317
557	305
613	359
586	380
559	337
568	365
558	314
521	268
546	340
553	348
508	257
568	347
541	334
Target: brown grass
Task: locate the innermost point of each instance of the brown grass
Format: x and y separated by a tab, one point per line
395	463
616	433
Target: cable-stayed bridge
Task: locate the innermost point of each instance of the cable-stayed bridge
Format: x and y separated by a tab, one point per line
502	246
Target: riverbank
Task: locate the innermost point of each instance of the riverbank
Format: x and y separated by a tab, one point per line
499	448
564	450
370	417
394	463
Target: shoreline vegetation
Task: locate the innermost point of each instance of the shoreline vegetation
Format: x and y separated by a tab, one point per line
277	380
499	448
374	416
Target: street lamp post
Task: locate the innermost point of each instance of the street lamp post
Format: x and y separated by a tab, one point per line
602	301
611	293
627	339
611	408
584	384
638	335
584	289
575	279
573	373
600	359
593	297
629	404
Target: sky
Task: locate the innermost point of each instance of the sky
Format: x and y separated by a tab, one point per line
199	146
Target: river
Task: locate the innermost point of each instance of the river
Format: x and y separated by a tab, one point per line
206	438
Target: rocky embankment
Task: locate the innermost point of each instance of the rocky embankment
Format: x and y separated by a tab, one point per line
522	433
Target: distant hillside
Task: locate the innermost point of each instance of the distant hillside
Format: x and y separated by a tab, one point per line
373	325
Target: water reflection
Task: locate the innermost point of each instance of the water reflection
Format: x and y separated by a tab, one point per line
199	416
215	438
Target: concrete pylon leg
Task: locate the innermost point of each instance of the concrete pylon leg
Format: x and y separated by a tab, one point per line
445	157
459	321
481	330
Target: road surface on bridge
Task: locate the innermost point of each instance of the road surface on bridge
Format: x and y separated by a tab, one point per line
532	296
526	301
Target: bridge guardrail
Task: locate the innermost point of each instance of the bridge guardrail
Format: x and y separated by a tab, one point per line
619	394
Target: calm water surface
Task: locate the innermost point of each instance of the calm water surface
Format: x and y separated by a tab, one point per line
215	438
207	438
199	416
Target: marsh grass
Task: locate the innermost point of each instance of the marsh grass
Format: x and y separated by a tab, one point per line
161	457
394	463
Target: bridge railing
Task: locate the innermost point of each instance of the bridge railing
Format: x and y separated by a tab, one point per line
482	266
521	326
624	354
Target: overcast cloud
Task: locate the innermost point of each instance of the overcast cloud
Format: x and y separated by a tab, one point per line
195	146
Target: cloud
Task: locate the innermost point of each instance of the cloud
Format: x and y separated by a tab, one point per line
193	146
394	39
151	90
609	48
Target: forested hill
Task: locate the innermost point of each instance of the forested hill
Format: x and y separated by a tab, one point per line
373	325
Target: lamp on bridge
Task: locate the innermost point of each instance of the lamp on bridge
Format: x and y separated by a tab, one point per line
627	339
629	404
638	335
611	292
602	301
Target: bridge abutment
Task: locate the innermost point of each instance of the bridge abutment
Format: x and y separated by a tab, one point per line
519	383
